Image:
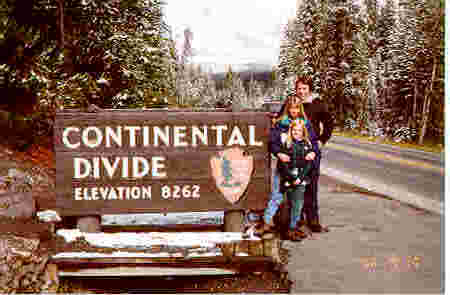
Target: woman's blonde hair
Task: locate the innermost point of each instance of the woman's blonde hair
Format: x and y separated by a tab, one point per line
297	123
293	102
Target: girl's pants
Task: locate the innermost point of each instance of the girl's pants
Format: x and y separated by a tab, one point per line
296	197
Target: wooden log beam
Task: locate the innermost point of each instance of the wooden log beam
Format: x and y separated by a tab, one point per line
163	228
238	264
41	231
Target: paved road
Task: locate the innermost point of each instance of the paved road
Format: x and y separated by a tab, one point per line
413	154
375	245
411	176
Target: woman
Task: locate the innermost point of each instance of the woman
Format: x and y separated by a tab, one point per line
292	111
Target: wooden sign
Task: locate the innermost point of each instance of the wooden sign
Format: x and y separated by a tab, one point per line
146	161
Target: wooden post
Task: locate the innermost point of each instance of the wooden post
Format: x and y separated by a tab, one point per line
89	224
272	248
233	221
256	248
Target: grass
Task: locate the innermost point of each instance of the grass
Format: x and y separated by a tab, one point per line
434	146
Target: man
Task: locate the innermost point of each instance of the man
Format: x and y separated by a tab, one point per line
317	114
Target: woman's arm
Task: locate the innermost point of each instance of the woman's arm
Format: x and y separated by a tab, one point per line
275	140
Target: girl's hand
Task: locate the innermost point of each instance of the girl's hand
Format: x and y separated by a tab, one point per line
297	182
283	157
310	156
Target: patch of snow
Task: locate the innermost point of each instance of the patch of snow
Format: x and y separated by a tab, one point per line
211	217
118	254
241	254
103	81
181	239
48	216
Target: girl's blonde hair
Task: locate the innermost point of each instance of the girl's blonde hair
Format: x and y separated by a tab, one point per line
295	124
293	102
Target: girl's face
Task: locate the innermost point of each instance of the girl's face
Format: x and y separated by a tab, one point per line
297	132
294	111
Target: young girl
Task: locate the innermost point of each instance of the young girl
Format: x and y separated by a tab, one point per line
293	110
294	174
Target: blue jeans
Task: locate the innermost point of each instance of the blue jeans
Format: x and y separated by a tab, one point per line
296	197
276	198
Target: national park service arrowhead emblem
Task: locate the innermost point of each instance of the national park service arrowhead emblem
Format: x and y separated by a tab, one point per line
232	171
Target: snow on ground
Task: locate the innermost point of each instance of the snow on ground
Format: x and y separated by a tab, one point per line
204	243
143	240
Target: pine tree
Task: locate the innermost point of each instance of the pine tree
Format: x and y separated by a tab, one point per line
416	71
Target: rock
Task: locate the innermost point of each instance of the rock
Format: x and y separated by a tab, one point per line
9	243
20	181
45	199
4	181
19	205
16	173
23	268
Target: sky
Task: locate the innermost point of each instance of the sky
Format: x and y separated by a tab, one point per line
242	33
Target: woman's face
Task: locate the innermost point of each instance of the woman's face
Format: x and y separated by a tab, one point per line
294	111
297	132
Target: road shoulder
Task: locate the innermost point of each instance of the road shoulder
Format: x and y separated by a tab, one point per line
375	245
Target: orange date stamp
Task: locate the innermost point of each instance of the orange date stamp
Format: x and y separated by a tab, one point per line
393	263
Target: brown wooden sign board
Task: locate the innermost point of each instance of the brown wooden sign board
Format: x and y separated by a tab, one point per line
145	161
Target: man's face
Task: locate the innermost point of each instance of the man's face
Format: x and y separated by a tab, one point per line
302	90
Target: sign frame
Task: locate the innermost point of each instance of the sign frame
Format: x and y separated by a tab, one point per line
184	158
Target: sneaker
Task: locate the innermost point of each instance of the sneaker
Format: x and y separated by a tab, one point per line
304	228
318	228
296	235
266	228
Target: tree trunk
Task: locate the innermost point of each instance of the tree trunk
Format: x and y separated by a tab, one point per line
61	23
414	110
426	105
